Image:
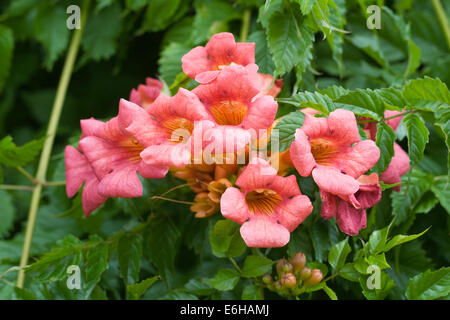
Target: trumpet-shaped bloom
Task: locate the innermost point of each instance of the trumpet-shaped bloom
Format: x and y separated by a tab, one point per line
268	206
78	170
268	86
115	157
330	149
230	99
204	63
165	128
399	164
146	94
350	211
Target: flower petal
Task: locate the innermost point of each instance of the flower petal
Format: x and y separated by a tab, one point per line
123	181
294	211
89	127
263	232
91	199
195	62
261	113
167	154
398	166
349	219
358	159
329	205
77	169
152	172
258	174
233	205
343	127
285	186
333	181
206	77
300	153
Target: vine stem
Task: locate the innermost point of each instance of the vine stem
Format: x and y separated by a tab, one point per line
48	145
442	18
245	25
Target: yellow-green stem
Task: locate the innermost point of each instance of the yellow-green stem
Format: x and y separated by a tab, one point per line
48	145
442	18
245	25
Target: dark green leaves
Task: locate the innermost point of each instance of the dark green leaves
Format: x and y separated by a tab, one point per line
385	141
289	39
7	213
135	291
159	14
429	285
225	279
255	266
226	240
13	156
130	252
286	128
417	134
363	102
338	254
262	53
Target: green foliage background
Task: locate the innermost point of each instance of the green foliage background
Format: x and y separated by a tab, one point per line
142	249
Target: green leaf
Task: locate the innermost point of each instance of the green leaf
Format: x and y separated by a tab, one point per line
129	255
417	134
159	14
170	61
334	92
6	53
100	42
252	292
306	5
362	102
441	188
96	263
13	156
135	291
51	31
161	242
225	239
414	186
400	238
54	264
413	58
288	40
338	254
385	141
225	279
349	272
429	285
199	287
255	266
314	100
286	128
386	285
320	239
377	240
330	292
7	213
262	53
427	89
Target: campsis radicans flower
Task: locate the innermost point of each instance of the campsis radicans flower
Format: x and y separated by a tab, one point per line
230	99
350	210
267	206
204	63
330	150
146	94
115	158
399	164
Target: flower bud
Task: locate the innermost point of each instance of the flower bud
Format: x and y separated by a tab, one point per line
298	261
305	273
288	280
280	265
267	279
316	277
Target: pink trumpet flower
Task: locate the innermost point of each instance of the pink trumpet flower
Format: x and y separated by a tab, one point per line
267	206
231	100
350	211
165	127
115	158
146	93
204	63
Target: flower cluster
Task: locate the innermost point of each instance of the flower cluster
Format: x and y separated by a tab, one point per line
205	137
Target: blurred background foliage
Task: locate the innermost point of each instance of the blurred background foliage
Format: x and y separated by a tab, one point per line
126	41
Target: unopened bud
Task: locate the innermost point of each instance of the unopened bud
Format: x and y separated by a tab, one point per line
280	265
316	277
267	279
305	273
298	261
288	280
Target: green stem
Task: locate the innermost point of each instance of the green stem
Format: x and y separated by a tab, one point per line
48	145
235	264
245	24
27	175
442	18
15	187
